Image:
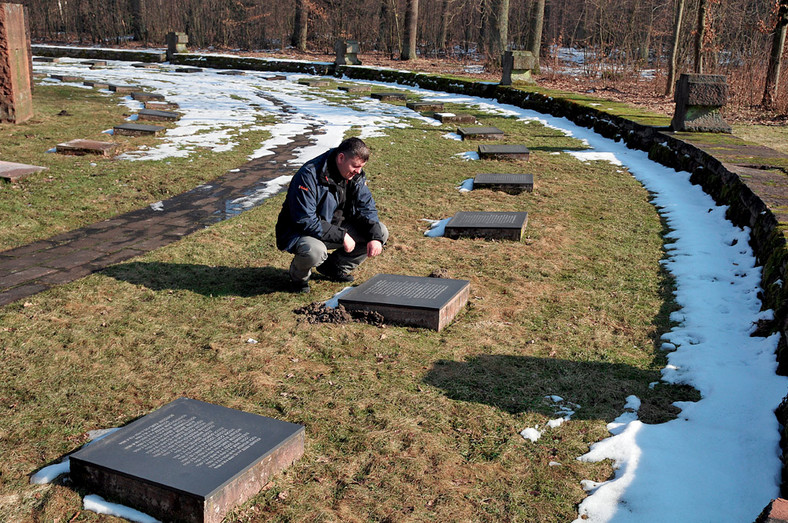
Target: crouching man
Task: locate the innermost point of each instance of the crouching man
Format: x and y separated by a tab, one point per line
330	208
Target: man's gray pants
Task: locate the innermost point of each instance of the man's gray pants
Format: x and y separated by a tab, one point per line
311	252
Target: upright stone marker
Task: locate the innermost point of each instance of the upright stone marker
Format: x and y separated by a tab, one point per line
504	152
510	183
188	461
176	43
16	94
410	300
347	52
480	133
490	225
698	100
517	67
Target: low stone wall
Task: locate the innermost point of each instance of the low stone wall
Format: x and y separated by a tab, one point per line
751	180
99	53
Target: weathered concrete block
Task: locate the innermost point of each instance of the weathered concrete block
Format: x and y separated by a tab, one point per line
517	66
176	43
16	95
698	100
347	52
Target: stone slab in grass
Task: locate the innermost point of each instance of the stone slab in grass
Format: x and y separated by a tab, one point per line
156	115
480	133
141	96
454	118
97	85
275	77
232	72
389	96
188	70
46	59
81	147
431	303
510	183
136	129
118	88
66	77
161	106
425	106
490	225
12	172
315	82
355	88
95	63
188	461
503	152
145	65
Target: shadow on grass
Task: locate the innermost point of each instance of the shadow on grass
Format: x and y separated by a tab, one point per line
202	279
518	384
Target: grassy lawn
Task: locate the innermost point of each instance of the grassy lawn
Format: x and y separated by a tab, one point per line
401	423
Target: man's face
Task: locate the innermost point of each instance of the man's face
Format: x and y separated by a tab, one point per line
349	166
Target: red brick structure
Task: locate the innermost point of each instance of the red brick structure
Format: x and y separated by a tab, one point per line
16	98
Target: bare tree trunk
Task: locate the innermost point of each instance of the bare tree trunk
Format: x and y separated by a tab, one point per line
535	34
674	48
700	35
496	30
444	28
138	21
776	56
411	30
300	25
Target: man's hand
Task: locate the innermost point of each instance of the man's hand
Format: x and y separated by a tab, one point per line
349	243
374	248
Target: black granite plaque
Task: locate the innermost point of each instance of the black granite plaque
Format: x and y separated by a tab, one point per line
157	115
504	152
189	460
275	77
493	225
425	106
479	133
511	183
147	97
137	129
410	300
385	97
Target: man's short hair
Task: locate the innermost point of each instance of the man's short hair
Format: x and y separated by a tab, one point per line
354	148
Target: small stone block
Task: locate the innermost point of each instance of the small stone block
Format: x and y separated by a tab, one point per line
155	115
425	106
11	171
188	461
115	88
479	133
97	85
504	152
46	59
510	183
65	77
188	70
146	97
454	118
355	88
82	147
490	225
161	106
95	63
135	129
314	82
275	77
389	97
431	303
145	65
232	72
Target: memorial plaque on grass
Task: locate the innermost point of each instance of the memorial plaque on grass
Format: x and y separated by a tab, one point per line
95	63
188	461
46	59
315	82
425	106
409	300
491	225
147	97
123	88
156	115
454	118
145	65
66	77
82	147
232	72
161	106
13	171
511	183
355	88
275	77
136	129
188	70
480	133
97	85
389	97
504	152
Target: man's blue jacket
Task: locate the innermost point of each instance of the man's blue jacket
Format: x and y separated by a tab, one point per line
311	202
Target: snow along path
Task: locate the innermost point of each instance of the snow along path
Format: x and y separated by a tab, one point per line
718	461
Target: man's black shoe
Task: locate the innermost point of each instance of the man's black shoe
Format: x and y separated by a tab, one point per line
301	287
331	272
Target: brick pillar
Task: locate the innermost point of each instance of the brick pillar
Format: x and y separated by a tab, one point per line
16	98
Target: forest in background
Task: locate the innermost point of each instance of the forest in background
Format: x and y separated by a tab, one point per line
618	38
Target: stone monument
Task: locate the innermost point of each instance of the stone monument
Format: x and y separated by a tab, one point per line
16	88
490	225
698	100
504	152
188	461
479	133
347	52
409	300
509	183
517	67
176	43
